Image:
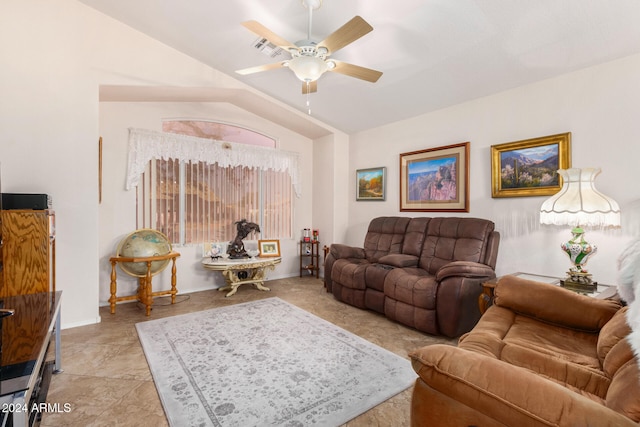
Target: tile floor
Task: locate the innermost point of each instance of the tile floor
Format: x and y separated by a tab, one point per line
107	382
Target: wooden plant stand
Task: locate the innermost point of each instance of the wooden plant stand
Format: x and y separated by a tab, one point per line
145	292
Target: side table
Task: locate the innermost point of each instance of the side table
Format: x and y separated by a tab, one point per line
145	293
311	251
486	297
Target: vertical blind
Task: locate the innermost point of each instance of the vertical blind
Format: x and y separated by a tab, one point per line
196	201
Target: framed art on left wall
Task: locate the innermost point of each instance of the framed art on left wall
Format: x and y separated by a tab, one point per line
371	184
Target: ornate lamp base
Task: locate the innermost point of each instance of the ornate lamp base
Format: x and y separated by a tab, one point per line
578	280
579	251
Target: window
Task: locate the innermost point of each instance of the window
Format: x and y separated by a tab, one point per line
195	202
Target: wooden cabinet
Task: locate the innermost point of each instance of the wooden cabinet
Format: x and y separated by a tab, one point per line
28	252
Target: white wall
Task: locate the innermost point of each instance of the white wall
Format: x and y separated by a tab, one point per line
598	106
330	191
118	208
55	57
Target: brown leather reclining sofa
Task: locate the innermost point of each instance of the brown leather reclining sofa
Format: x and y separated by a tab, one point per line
423	272
540	356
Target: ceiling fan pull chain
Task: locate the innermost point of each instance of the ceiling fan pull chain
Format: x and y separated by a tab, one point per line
308	101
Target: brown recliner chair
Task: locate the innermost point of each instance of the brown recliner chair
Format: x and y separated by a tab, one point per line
540	356
423	272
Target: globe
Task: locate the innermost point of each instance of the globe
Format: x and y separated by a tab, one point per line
145	242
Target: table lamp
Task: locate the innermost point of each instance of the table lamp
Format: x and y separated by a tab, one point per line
579	204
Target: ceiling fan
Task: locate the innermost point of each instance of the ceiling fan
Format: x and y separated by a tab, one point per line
310	59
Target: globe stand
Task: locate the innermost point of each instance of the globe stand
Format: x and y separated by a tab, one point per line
145	292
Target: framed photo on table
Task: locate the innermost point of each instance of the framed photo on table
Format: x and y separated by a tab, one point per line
528	167
371	184
269	248
436	179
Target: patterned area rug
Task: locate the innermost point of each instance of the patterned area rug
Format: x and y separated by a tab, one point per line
263	363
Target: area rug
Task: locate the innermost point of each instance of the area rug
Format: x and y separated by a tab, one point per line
266	363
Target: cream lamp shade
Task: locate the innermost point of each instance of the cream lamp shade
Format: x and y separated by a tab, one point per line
579	204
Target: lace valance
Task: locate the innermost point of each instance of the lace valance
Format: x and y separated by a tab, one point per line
145	145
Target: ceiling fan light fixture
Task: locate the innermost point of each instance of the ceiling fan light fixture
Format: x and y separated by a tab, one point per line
308	68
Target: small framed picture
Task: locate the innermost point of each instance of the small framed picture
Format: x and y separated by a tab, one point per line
371	183
269	248
528	167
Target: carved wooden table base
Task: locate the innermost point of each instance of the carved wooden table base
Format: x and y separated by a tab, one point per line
241	271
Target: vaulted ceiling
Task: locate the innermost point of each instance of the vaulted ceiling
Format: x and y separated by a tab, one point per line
433	53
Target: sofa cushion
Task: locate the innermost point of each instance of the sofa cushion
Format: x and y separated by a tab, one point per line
454	239
350	272
422	319
611	334
624	391
619	354
414	236
565	356
385	235
412	286
374	276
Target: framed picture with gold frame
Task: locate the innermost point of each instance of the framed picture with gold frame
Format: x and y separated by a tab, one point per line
269	248
528	167
435	180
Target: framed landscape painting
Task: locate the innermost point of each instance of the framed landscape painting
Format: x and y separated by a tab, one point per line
436	179
528	167
371	184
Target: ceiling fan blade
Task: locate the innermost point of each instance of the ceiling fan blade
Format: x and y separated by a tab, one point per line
262	31
356	71
260	68
348	33
312	87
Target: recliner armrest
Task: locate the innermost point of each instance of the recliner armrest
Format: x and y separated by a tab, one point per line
553	304
465	269
339	251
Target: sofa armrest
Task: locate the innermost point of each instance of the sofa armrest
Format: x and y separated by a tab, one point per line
509	394
553	304
399	260
339	251
465	269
